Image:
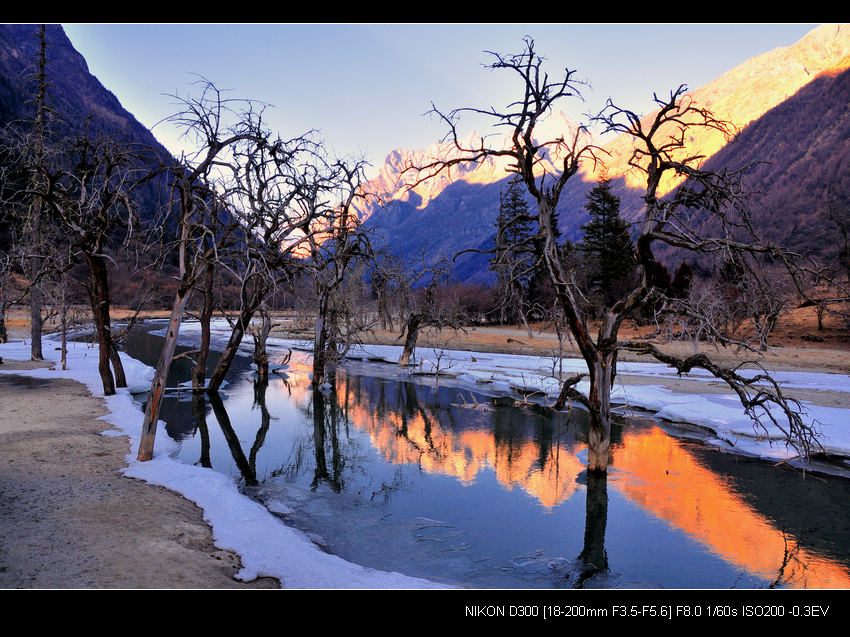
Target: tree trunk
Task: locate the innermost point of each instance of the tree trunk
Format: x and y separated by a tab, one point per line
99	299
157	390
117	365
36	353
412	331
231	349
35	262
199	372
4	336
599	397
63	321
261	357
525	323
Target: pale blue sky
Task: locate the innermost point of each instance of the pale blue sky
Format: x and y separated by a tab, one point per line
365	87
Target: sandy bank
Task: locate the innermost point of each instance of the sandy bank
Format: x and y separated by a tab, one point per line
69	519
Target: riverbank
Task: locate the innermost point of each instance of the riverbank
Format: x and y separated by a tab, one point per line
82	505
78	511
70	519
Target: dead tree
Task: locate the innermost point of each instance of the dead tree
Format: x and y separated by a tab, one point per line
338	243
422	306
35	239
659	153
385	273
89	195
25	150
216	125
272	181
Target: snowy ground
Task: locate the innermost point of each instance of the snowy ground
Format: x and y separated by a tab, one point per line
269	548
533	376
722	413
266	546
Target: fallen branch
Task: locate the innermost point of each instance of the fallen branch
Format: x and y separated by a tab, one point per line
756	394
568	391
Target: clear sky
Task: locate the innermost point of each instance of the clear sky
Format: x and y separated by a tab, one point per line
366	87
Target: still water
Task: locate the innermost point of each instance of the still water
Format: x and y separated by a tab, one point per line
453	485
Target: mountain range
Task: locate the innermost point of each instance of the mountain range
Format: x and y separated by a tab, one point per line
791	107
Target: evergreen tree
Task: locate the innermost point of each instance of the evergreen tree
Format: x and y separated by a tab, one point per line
607	244
514	257
680	286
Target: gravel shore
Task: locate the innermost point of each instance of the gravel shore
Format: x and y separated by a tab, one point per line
69	519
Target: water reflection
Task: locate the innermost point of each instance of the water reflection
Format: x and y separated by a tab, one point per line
661	475
199	412
402	445
326	419
594	557
453	433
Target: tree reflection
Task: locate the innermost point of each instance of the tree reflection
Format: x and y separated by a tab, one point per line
594	557
245	468
326	423
199	412
260	386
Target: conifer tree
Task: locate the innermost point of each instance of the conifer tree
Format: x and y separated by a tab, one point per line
607	245
514	257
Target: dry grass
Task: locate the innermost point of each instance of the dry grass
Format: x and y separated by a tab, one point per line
796	343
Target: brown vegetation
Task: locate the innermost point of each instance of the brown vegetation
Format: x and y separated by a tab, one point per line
796	343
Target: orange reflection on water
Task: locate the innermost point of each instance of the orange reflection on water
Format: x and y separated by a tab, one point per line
420	439
655	471
652	469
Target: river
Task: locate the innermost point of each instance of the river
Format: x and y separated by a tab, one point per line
427	478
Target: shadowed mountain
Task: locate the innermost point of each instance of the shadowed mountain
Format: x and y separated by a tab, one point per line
800	157
791	105
74	95
75	99
76	102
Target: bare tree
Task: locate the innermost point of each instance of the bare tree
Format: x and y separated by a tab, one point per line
239	208
89	195
35	240
216	125
422	306
386	273
24	150
333	253
283	214
659	151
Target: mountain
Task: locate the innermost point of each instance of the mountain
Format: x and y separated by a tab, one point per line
75	97
789	106
74	94
799	158
75	100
